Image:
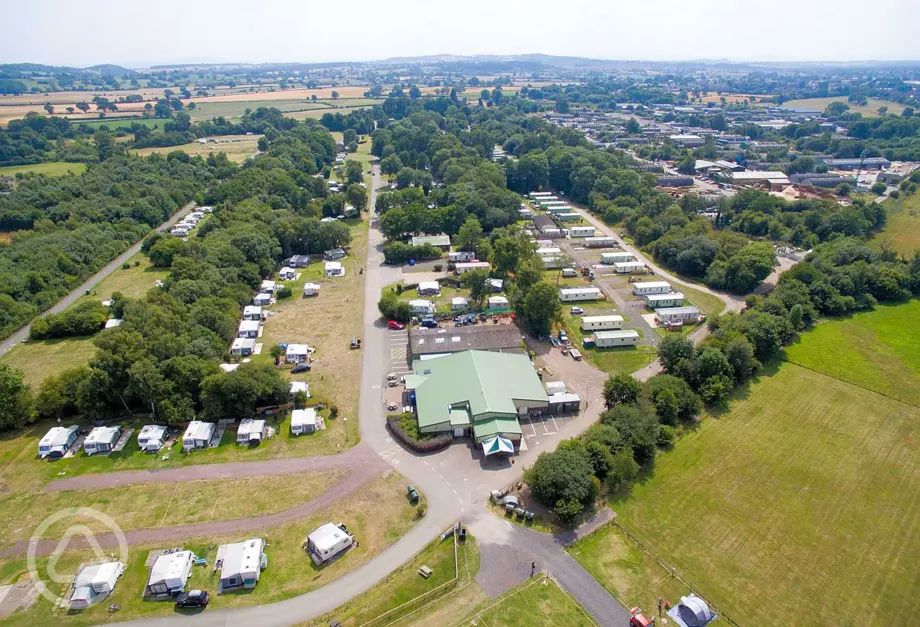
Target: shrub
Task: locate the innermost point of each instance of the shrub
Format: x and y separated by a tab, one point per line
405	428
126	265
83	319
284	292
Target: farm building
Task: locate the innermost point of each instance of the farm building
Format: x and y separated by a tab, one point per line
601	323
197	435
262	299
310	289
773	179
496	337
651	287
611	259
333	268
569	294
608	339
498	302
628	267
327	542
249	328
671	315
243	347
287	274
57	441
654	301
420	306
441	241
101	440
298	261
94	583
334	253
303	421
252	312
250	431
600	241
240	564
582	231
429	288
152	438
466	266
461	256
268	287
866	163
476	390
459	303
296	353
169	573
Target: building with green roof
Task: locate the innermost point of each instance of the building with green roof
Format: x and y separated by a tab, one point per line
480	391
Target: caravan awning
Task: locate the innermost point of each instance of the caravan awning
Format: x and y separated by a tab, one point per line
498	444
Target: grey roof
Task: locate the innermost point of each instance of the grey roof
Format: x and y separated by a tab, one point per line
496	337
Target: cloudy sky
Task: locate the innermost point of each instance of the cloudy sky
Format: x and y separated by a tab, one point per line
86	32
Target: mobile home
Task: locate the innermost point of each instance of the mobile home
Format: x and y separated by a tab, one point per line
656	301
252	312
94	583
101	440
327	542
651	287
601	323
581	231
460	256
152	438
548	251
609	339
241	564
268	287
611	259
197	435
466	266
58	441
551	262
628	267
333	268
569	294
428	288
287	274
498	302
310	289
420	306
243	347
262	300
671	315
569	217
459	303
600	241
296	353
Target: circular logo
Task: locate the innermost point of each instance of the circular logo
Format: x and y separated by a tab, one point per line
77	531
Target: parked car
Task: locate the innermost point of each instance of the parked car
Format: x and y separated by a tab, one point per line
563	336
576	311
355	342
412	493
395	325
192	598
301	366
429	323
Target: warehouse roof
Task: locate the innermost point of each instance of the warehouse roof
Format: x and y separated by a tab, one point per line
496	337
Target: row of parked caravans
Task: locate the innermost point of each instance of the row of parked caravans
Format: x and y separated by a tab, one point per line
189	222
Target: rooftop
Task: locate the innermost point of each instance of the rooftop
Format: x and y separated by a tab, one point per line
497	337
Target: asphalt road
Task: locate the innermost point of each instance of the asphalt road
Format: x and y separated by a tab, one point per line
23	334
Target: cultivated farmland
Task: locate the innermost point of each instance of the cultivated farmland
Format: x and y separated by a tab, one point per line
869	110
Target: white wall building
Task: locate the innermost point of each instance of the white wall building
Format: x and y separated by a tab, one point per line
609	339
651	287
601	323
569	294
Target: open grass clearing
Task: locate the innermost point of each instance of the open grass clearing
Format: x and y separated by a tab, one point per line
902	229
538	601
238	148
133	281
870	109
50	168
318	112
377	515
799	502
44	358
114	124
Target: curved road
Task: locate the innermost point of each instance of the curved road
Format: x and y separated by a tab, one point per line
23	334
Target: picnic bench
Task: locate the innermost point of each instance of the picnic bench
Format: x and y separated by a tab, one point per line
425	572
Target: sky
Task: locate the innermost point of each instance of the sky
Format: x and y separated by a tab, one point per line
139	34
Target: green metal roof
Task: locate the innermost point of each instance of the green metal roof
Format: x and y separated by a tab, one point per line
486	383
500	425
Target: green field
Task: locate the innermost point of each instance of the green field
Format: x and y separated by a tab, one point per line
238	148
537	602
868	110
113	124
902	230
801	500
46	358
51	168
234	110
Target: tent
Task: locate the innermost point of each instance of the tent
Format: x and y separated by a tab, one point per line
497	444
95	582
692	611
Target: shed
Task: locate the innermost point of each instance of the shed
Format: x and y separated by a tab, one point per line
169	573
240	564
327	542
101	439
243	346
198	434
333	268
252	312
564	402
296	353
58	441
251	431
303	421
249	328
152	438
311	289
429	288
94	583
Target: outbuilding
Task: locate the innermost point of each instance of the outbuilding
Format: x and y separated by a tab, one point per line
94	583
303	421
601	323
311	289
169	573
241	564
673	299
333	268
101	440
57	441
327	542
250	431
152	438
252	312
249	328
243	347
429	288
296	353
569	294
651	287
197	435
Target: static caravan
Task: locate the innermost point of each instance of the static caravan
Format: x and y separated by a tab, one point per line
428	288
152	438
303	421
609	339
333	254
169	573
466	266
628	267
600	241
333	268
459	303
551	231
498	302
678	314
268	287
548	251
552	262
557	209
262	300
252	312
287	274
459	256
94	583
581	231
243	346
241	564
310	289
327	542
296	353
570	294
536	195
250	431
569	217
249	328
611	259
420	306
58	441
101	440
651	287
198	434
601	323
656	301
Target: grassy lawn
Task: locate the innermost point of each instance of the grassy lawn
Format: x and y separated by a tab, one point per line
877	349
45	358
868	110
237	147
611	360
133	282
708	304
113	124
51	168
377	515
343	106
442	301
234	110
902	231
539	601
799	501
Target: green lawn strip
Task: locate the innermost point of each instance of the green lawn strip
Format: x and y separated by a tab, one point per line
44	358
611	360
538	601
51	168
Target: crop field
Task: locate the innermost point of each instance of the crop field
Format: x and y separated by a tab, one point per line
237	147
868	110
902	230
801	500
51	168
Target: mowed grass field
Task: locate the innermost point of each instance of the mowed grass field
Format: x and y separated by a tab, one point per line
902	230
51	168
799	505
537	602
869	110
237	147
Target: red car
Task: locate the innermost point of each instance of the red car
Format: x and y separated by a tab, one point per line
395	325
